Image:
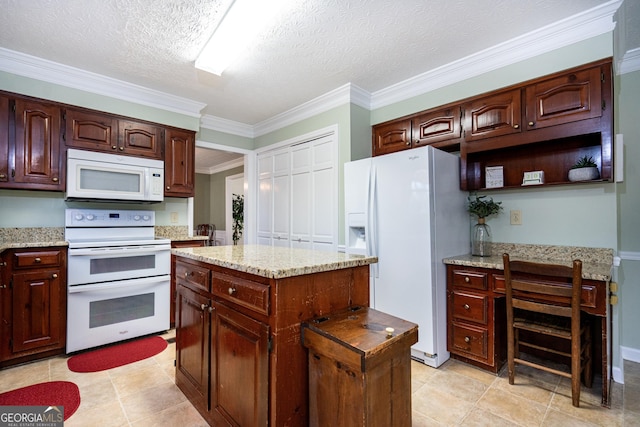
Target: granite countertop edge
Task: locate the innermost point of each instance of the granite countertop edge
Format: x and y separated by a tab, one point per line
591	270
271	262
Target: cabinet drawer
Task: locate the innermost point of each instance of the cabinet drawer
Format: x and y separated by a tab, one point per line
35	259
240	291
470	279
193	276
469	341
470	307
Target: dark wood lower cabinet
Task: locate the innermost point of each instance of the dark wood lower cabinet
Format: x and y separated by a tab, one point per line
239	357
33	297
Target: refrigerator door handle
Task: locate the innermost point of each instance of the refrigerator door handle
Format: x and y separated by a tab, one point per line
372	225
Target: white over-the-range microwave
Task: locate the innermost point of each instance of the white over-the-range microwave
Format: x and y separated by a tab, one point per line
103	176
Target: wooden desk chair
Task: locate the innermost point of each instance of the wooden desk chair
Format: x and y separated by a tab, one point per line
208	230
545	299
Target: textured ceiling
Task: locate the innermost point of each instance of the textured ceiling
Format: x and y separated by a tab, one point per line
315	46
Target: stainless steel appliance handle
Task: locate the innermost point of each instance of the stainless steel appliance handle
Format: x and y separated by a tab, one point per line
119	250
119	284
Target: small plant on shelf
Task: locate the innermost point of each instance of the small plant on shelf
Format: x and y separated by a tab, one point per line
585	169
584	162
482	207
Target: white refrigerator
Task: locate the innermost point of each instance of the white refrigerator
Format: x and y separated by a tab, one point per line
407	209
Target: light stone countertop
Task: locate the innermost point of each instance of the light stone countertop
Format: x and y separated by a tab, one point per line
273	262
597	263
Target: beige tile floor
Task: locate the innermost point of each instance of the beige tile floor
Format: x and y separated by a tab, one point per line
456	394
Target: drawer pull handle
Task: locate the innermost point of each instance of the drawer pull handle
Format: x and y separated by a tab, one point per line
467	280
54	275
232	291
37	260
467	339
466	306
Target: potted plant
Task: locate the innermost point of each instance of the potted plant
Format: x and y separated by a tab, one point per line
237	211
482	207
585	169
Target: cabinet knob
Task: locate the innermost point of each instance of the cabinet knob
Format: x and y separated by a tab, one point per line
186	274
3	286
54	276
232	291
113	147
467	339
210	309
408	142
389	332
466	306
516	126
467	280
203	306
168	188
37	260
3	176
531	123
121	148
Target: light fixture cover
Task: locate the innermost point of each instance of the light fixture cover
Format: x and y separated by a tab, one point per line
242	23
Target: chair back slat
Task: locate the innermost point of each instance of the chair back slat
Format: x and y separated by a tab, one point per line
556	310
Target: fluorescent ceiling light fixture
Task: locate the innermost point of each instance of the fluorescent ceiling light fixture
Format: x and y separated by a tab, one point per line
239	27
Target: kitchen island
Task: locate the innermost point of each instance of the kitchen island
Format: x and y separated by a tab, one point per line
239	357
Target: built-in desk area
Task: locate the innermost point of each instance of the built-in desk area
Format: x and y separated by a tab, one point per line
476	318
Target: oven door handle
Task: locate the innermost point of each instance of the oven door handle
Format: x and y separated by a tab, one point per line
119	250
118	284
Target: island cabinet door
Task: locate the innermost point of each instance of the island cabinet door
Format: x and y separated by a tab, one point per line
192	346
239	369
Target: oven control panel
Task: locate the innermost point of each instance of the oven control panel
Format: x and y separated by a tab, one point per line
108	218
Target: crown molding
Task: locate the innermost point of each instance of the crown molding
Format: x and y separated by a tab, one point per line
221	167
344	94
583	26
227	126
629	63
41	69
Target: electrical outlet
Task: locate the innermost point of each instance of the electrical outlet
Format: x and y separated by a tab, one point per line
174	217
516	217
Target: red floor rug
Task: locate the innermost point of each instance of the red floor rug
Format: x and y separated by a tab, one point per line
116	355
55	393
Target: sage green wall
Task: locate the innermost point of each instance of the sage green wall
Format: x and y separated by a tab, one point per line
209	202
40	89
218	192
627	89
23	208
360	133
202	200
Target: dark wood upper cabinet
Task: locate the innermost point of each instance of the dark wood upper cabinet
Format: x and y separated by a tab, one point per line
96	131
4	139
392	137
566	98
545	124
140	139
179	163
495	115
439	127
91	131
36	150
